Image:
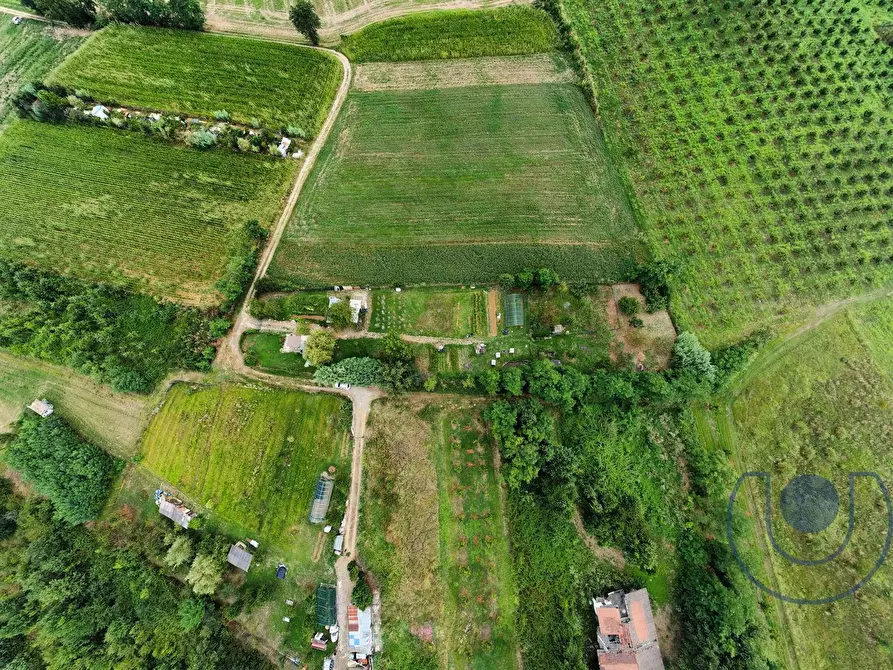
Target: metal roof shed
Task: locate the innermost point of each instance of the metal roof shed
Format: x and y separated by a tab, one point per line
239	557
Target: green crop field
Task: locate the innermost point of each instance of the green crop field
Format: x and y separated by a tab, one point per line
433	532
113	421
27	53
757	137
457	186
823	403
507	31
279	85
251	455
436	312
101	204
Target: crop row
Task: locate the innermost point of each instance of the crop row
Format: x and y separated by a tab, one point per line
744	126
137	208
189	73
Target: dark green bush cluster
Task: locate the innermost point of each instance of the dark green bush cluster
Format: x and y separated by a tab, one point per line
527	279
245	246
126	339
75	475
287	307
185	14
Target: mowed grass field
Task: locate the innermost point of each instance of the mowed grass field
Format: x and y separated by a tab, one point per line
27	53
435	312
506	31
194	73
103	204
251	455
433	532
822	403
757	139
457	186
113	421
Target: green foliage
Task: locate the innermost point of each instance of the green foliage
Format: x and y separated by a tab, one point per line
524	431
505	31
653	281
191	612
731	360
202	139
628	305
244	247
205	574
185	14
543	168
395	348
689	356
511	381
79	13
93	599
339	314
180	552
287	307
128	340
360	371
489	381
319	347
74	474
113	217
362	592
305	20
196	74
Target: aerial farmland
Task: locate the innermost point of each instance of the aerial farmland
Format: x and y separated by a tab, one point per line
445	336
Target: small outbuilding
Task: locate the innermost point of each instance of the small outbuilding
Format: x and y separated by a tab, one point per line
175	510
239	557
283	147
355	306
294	344
325	605
100	112
41	407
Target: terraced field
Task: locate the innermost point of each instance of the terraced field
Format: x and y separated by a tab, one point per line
278	85
757	137
27	53
251	454
99	203
459	185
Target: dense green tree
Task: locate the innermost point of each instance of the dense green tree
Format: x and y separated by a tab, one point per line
489	381
360	371
205	574
180	552
74	474
339	314
524	431
319	347
512	381
305	20
362	592
79	13
395	348
191	612
689	355
245	244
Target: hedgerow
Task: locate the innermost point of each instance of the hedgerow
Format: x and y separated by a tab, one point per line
507	31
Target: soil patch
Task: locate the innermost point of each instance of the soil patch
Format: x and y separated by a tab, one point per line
650	345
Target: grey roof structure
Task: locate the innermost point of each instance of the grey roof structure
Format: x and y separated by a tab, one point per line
321	498
239	557
175	511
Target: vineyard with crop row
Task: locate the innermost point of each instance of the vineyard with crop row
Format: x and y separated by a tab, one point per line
757	136
458	185
191	73
507	31
104	204
28	52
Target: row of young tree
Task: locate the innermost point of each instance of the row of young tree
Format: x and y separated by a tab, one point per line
186	14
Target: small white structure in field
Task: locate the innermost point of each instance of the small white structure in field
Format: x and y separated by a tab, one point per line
253	543
294	344
493	362
339	545
17	20
511	350
398	289
289	602
283	147
498	355
155	116
298	154
355	306
41	407
286	619
100	112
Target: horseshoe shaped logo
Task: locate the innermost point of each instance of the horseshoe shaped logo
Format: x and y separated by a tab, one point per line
809	504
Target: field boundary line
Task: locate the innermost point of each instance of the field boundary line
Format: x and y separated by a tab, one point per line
26	15
230	354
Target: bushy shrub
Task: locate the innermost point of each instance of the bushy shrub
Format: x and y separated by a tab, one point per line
628	305
202	139
362	592
689	355
360	371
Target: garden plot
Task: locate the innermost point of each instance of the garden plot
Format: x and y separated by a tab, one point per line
103	204
434	534
251	455
458	186
268	84
647	338
448	313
